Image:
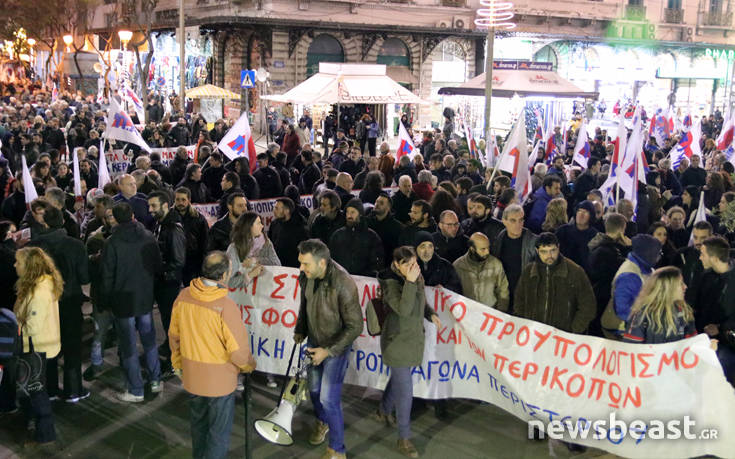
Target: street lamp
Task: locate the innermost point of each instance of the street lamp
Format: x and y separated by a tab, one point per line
68	40
125	36
496	14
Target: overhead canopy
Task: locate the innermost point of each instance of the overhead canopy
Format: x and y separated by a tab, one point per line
348	84
210	91
525	83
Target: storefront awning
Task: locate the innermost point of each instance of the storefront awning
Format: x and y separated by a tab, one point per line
525	83
348	84
209	91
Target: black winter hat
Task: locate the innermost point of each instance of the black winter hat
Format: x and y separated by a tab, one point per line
422	236
355	203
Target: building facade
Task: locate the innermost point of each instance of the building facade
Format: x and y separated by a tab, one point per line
635	49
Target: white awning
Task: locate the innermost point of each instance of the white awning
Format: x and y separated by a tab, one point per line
348	84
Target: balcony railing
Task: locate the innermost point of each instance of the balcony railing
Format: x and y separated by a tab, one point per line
717	19
454	3
635	12
673	15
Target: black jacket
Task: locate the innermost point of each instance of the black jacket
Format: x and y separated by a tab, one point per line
14	207
408	234
196	230
163	171
309	176
439	271
222	210
219	234
450	249
692	271
177	169
199	191
8	276
286	236
606	256
171	240
249	186
212	177
69	255
585	183
269	182
358	249
130	262
490	227
322	228
389	231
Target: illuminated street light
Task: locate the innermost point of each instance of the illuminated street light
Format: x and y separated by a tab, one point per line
68	40
125	36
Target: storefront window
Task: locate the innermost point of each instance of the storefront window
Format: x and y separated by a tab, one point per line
324	48
394	52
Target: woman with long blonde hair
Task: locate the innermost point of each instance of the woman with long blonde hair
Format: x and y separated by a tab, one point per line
556	215
38	289
660	314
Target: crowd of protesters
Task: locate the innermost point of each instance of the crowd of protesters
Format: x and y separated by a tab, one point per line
647	274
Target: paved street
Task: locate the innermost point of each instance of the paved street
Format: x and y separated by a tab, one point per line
101	427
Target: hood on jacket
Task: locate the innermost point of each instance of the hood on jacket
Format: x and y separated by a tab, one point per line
206	293
647	249
600	239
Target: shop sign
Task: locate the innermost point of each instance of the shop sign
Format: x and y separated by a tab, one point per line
523	65
279	64
715	53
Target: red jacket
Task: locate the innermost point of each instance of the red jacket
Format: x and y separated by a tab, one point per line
423	190
291	144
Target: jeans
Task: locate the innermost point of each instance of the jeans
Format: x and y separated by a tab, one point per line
103	321
126	328
371	143
325	388
70	321
211	425
398	394
165	293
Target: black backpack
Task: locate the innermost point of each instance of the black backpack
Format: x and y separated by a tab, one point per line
9	334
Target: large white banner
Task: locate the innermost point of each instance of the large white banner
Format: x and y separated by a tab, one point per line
531	370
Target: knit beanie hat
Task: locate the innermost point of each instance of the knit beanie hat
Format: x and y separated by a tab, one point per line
422	236
647	248
355	203
590	208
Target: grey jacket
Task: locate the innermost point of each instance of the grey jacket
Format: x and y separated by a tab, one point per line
484	282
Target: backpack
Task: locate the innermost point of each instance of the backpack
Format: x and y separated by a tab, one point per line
9	334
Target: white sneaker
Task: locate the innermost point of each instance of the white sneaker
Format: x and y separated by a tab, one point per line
128	397
157	387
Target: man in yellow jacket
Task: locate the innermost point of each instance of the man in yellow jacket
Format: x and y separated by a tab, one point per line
209	348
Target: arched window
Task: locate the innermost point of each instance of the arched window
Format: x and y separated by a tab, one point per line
547	54
394	52
324	48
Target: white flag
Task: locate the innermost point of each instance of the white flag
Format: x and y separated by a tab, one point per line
514	159
103	174
701	216
28	188
77	177
133	100
582	147
121	127
238	141
406	146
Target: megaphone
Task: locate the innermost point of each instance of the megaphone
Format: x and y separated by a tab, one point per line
276	426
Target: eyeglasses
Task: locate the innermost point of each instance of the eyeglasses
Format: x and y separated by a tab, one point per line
449	224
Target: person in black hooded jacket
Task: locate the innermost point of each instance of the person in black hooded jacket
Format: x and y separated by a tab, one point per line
70	257
287	230
574	237
193	181
177	167
435	270
356	247
269	181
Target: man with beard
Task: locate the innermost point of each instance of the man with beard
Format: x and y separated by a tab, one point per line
269	181
420	220
383	222
219	234
102	316
287	231
193	181
169	234
356	247
212	175
196	230
482	275
330	217
479	209
449	242
230	184
354	164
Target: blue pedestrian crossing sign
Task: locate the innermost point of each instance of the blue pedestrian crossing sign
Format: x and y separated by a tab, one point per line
247	78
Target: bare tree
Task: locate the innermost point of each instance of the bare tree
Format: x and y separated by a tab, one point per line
142	22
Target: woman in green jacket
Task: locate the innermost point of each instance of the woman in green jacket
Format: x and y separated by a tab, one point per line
402	339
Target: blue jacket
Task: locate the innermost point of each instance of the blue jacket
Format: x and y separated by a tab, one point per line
627	287
538	212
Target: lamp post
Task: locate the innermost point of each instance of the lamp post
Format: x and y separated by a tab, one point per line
496	14
68	40
125	37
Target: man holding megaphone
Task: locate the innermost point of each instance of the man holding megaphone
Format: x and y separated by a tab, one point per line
331	318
